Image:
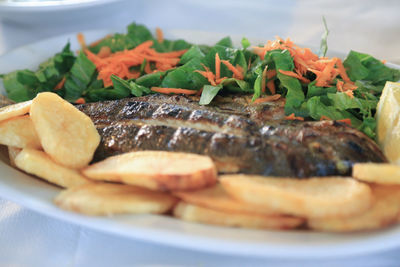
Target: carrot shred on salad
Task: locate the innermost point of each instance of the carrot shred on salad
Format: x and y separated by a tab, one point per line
326	118
173	91
267	99
237	71
160	35
292	117
347	121
119	63
80	100
81	40
217	66
215	79
325	69
105	51
60	84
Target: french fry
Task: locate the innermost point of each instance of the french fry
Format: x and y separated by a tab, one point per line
383	212
215	197
40	164
156	170
19	132
66	134
15	110
379	173
313	197
108	199
193	213
12	154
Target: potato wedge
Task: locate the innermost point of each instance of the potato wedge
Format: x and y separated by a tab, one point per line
193	213
379	173
215	197
383	212
40	164
66	134
19	132
313	197
12	154
108	199
156	170
15	110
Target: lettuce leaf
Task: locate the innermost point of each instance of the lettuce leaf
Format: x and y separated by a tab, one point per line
362	66
283	61
24	85
185	76
208	94
80	76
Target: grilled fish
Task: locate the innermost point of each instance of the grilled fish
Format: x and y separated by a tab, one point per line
238	136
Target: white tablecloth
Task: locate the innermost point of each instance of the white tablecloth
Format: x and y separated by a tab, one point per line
28	238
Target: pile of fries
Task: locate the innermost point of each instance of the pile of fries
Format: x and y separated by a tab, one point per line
51	139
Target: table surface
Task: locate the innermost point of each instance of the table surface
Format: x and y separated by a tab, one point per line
31	239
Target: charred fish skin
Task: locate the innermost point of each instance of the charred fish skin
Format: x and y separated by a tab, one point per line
238	136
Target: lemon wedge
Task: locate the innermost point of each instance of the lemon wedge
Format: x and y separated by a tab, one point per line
388	118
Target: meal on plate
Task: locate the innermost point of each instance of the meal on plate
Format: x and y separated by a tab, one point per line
271	136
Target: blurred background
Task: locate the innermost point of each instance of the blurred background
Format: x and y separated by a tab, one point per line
30	239
363	25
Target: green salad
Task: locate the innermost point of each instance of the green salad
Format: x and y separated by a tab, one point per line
138	63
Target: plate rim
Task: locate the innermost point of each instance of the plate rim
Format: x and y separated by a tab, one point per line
355	247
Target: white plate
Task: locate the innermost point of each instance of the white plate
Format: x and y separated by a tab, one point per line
58	11
37	195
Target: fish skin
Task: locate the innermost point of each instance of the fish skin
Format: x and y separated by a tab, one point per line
237	135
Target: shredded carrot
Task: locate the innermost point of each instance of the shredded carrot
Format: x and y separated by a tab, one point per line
305	61
160	35
105	51
81	40
217	66
293	117
349	86
133	75
147	68
142	47
347	121
271	86
200	91
237	71
267	99
120	63
339	85
384	61
271	73
207	74
60	85
325	118
349	93
294	75
324	78
342	71
80	101
173	91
